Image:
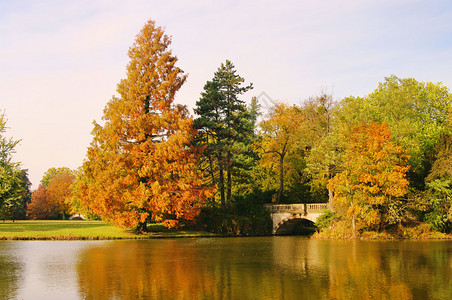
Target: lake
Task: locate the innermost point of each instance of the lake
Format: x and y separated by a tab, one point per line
279	267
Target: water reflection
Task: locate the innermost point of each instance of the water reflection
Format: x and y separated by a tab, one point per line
371	270
363	272
10	270
47	268
232	268
146	269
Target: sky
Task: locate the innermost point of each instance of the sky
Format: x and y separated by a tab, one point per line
60	61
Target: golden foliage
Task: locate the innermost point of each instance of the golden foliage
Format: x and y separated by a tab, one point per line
59	191
282	136
141	165
373	175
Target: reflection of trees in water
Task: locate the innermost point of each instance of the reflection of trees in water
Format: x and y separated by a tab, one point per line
390	270
263	268
181	269
425	266
358	271
441	260
367	270
139	270
304	259
10	271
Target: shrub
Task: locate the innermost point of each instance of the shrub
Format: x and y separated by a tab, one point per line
326	219
246	216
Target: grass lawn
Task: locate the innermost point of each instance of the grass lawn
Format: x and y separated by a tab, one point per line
81	230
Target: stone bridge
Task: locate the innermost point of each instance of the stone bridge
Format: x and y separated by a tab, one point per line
286	216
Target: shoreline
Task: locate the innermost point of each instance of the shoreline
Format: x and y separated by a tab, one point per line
203	234
65	230
101	238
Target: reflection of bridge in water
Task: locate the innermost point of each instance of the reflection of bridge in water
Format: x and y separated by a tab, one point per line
286	216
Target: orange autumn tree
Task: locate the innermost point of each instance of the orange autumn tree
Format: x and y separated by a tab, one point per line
59	192
373	177
38	208
51	199
141	166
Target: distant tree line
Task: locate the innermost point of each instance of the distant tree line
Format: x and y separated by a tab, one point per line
52	199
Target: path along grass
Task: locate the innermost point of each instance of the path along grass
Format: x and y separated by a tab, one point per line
81	230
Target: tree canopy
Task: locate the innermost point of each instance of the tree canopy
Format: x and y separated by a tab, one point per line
51	200
416	114
141	165
14	183
226	129
372	177
282	135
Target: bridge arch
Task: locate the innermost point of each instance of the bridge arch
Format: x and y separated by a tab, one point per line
289	226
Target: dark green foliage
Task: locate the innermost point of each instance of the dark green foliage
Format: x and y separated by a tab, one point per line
440	216
245	217
17	210
226	129
302	192
439	186
14	184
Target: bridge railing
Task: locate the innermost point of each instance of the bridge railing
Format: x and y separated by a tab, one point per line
300	207
316	206
285	207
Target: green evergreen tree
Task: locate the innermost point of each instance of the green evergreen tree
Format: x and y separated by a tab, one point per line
226	129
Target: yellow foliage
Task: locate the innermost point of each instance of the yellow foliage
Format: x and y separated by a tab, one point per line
373	175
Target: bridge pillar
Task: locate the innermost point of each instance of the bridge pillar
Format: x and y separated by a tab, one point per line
278	219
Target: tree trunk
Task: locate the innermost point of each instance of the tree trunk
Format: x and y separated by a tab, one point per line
212	172
330	200
142	227
281	178
229	178
221	185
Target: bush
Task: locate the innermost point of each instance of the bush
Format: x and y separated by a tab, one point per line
338	230
245	217
326	219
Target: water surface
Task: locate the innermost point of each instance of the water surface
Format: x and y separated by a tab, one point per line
226	268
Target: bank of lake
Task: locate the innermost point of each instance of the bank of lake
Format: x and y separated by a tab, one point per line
98	230
84	230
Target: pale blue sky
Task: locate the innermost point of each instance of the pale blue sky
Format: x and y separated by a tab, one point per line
60	61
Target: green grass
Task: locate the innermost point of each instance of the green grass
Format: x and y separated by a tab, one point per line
82	230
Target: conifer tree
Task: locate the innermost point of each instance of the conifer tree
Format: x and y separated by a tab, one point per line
225	127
